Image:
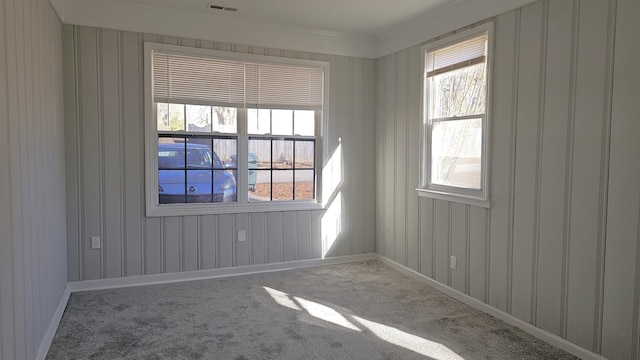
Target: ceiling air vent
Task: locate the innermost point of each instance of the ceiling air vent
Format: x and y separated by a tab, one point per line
219	7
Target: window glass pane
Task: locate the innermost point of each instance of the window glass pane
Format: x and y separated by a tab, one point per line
224	153
176	117
282	154
458	93
303	189
171	186
199	186
198	118
224	186
262	187
282	121
259	121
163	116
171	153
224	119
304	122
199	156
305	155
456	153
261	149
282	185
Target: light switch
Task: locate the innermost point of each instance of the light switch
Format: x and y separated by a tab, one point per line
242	235
95	242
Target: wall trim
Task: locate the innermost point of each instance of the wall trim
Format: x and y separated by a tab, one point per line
45	344
167	278
499	314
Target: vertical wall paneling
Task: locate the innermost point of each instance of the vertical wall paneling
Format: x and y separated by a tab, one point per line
458	246
531	53
190	234
153	246
357	121
477	252
105	165
90	188
503	90
316	236
413	157
427	226
340	130
558	247
441	240
172	243
72	139
209	241
370	150
557	93
303	235
400	159
257	233
587	157
390	147
226	240
111	129
132	154
381	151
33	256
624	191
274	237
289	236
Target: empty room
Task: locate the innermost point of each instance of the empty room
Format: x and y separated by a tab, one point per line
296	179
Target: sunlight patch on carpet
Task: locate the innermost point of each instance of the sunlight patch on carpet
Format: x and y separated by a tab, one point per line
414	343
282	298
325	313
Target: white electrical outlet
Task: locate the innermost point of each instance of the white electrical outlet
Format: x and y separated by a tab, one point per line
242	235
453	262
95	242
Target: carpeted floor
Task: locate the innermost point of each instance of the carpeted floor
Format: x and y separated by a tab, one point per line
363	310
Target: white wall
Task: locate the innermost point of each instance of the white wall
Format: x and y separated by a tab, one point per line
104	136
32	191
559	246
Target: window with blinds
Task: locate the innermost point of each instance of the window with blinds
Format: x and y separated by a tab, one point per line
222	82
455	121
229	132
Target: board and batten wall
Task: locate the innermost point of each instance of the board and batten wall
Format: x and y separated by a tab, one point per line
33	262
105	169
558	247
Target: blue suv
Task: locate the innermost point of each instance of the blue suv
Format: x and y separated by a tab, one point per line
193	173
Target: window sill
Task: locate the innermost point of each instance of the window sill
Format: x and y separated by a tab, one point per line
457	198
216	209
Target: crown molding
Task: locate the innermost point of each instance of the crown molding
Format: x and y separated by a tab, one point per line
126	16
206	26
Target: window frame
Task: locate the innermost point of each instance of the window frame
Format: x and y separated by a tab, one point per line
154	209
456	194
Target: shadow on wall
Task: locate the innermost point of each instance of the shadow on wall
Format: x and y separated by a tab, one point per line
331	223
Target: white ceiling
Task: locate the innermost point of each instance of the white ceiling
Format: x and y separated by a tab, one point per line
361	28
369	17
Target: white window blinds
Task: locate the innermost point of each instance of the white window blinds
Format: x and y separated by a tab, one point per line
189	79
462	54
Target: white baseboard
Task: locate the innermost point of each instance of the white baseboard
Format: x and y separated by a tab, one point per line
155	279
43	349
87	285
497	313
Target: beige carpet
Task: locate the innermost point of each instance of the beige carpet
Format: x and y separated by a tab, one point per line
363	310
